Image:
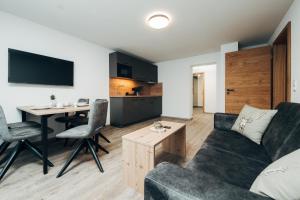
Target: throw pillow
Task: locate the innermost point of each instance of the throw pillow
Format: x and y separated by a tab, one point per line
280	180
252	122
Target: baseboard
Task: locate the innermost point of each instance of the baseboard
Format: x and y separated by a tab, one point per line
208	113
179	118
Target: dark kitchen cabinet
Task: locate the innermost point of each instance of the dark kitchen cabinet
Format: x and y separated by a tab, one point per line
125	66
120	65
129	110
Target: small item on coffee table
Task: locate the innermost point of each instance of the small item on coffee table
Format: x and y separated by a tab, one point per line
158	127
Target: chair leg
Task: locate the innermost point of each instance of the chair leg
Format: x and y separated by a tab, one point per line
35	151
105	138
73	155
97	142
100	147
74	142
66	142
89	144
17	149
3	147
6	157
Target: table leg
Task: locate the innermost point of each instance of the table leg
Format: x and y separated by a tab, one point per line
97	142
24	117
176	143
67	123
138	160
44	124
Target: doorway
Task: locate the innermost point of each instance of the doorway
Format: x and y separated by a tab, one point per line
198	91
204	88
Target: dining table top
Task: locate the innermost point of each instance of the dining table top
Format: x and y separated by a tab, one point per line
39	111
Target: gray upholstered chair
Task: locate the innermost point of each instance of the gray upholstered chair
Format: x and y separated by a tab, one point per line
86	133
82	121
20	133
4	145
67	119
79	116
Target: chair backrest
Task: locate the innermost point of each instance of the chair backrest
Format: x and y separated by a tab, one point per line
84	113
97	115
4	133
283	134
82	100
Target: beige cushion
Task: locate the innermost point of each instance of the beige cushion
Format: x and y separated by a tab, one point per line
281	179
252	122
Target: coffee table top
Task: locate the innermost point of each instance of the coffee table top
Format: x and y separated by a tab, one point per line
148	137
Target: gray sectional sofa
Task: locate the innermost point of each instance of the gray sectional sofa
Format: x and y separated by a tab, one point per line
228	163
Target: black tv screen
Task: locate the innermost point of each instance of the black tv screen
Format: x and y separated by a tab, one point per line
24	67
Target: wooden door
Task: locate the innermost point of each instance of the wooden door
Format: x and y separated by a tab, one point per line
195	91
282	67
248	79
279	75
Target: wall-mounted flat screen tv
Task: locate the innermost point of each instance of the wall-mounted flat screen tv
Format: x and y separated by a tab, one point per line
30	68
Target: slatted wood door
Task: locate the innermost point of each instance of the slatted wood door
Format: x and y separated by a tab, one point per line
279	74
248	79
282	67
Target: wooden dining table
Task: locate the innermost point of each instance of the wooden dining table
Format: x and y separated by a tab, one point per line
44	114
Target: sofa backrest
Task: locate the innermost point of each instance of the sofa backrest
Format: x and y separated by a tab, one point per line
283	134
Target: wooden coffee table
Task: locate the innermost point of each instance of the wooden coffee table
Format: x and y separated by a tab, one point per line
138	150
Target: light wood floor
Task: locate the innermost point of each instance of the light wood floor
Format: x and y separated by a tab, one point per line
83	181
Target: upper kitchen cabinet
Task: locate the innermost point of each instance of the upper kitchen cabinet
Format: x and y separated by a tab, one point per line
120	65
124	66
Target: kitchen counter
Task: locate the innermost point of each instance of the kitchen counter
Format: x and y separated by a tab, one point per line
141	96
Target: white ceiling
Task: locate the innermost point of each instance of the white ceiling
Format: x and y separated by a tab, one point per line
198	26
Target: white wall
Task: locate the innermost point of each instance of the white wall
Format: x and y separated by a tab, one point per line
176	76
210	86
225	48
177	81
292	15
91	64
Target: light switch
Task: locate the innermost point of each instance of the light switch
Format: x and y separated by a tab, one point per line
294	85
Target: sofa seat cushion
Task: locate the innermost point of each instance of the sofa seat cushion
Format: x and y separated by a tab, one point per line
231	168
235	143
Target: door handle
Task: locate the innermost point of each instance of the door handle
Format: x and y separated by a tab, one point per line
229	90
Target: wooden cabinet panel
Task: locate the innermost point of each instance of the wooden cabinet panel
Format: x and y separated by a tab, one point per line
134	68
248	79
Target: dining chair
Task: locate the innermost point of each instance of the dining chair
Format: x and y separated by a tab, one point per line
4	145
82	121
86	132
20	134
67	119
80	116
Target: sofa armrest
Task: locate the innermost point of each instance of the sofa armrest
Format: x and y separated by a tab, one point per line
171	182
224	121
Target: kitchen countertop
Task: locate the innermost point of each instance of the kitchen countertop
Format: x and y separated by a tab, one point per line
141	96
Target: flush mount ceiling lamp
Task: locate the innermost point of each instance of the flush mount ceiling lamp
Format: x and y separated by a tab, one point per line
158	21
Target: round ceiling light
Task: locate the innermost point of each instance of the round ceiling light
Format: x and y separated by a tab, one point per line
158	21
